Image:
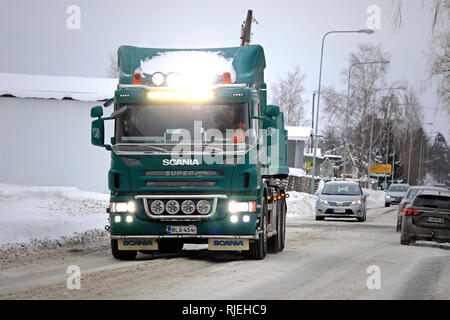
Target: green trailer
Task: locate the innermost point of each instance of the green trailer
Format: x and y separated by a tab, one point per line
197	155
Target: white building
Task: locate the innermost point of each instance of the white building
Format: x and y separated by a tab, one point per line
298	140
45	131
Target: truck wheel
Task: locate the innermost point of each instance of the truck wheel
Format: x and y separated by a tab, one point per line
282	238
122	254
170	246
258	248
273	242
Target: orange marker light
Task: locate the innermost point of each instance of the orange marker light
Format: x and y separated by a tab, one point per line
226	77
279	197
137	78
269	197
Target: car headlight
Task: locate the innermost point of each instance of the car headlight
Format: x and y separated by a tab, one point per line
241	206
120	207
356	202
388	196
323	201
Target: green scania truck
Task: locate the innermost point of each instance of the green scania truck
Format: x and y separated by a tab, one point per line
197	154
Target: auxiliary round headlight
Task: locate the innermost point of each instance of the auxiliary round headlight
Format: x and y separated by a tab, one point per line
203	207
173	79
188	207
158	78
172	207
157	207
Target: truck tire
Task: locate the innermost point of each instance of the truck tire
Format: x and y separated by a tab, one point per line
273	242
170	246
258	248
282	238
122	254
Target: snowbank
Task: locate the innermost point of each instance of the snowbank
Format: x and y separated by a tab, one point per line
301	205
44	214
297	172
375	198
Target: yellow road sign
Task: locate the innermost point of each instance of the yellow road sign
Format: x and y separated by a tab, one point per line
381	168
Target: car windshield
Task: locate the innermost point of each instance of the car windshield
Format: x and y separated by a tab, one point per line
347	189
432	201
168	125
395	188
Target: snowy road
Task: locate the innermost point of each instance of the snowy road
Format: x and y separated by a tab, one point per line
322	260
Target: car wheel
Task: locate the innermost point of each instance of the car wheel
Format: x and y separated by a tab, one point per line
320	218
405	240
387	204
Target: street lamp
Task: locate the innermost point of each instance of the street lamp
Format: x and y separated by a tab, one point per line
348	98
366	31
371	127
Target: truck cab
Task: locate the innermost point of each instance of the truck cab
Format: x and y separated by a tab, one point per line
197	155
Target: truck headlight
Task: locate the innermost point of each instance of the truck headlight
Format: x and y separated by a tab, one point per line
241	206
356	202
120	207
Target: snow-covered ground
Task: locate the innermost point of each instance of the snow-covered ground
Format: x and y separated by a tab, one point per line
43	216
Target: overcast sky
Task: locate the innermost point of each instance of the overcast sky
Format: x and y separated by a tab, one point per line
35	38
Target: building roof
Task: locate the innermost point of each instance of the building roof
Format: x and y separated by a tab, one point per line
56	87
299	133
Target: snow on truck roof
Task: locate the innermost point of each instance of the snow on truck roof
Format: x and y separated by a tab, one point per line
56	87
246	64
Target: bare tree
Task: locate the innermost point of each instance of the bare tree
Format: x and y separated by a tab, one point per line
439	54
287	94
113	70
439	9
365	78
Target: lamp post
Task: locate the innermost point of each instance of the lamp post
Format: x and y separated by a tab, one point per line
348	98
366	31
371	127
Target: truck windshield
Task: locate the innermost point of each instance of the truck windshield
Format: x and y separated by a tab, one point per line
162	125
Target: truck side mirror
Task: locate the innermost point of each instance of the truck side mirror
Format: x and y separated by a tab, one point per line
272	111
98	128
98	132
96	112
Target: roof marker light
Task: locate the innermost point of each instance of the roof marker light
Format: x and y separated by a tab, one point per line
226	77
137	78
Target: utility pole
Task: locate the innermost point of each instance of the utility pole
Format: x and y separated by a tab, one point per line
246	29
312	121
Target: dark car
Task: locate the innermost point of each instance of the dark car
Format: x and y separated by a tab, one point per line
427	217
395	193
410	194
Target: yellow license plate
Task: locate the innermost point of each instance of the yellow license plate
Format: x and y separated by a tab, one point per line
228	244
137	244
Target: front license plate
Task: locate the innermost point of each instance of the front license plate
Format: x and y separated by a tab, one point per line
339	210
228	244
435	220
181	229
137	244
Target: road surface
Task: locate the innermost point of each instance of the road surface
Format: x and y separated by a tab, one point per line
322	260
